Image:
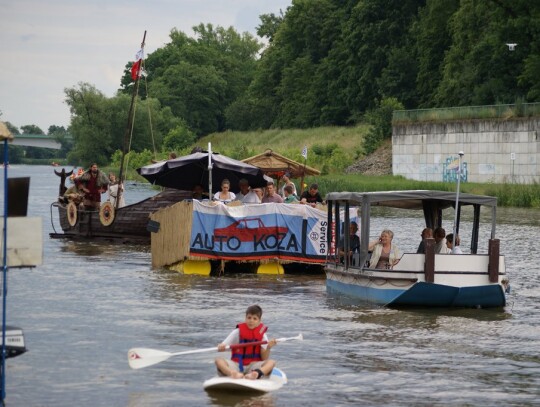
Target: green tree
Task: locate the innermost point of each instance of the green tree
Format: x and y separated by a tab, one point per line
193	93
179	138
380	119
370	35
61	135
479	68
99	125
31	129
198	78
90	125
269	25
431	34
288	79
530	78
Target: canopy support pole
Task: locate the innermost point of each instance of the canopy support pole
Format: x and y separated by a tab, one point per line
210	194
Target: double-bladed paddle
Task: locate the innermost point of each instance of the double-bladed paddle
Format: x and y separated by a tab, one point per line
143	357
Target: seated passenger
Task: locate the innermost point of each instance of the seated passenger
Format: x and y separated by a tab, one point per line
243	186
311	197
440	241
385	254
198	192
290	197
225	195
259	193
426	233
72	194
354	242
271	195
253	196
449	243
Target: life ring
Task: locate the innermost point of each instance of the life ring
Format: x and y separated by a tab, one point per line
71	214
106	213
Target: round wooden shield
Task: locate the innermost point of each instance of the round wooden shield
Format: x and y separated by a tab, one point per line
106	213
71	214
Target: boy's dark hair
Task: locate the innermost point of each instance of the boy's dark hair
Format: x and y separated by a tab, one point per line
254	310
288	188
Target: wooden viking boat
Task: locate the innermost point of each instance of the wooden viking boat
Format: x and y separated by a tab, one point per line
129	224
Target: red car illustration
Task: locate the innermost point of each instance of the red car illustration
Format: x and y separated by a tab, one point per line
250	229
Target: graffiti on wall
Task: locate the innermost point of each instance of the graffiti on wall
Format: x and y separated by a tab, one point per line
451	168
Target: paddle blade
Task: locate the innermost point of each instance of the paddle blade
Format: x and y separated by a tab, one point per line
298	337
143	357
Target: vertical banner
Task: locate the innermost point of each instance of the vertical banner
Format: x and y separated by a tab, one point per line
255	232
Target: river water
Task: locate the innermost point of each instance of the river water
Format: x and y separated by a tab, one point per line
89	303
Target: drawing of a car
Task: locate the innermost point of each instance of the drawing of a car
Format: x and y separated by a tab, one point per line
249	229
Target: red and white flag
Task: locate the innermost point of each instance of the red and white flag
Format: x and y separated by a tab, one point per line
136	67
139	55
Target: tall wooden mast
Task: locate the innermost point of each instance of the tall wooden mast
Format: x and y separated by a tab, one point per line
129	125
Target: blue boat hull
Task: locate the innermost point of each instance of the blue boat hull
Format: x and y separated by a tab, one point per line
424	294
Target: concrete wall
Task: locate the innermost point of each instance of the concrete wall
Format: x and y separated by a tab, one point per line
495	150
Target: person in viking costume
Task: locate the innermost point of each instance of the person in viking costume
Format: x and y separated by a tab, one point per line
92	183
116	188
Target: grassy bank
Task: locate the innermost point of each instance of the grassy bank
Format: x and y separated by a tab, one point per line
330	149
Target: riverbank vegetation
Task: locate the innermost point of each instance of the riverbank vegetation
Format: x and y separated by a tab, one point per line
513	195
331	150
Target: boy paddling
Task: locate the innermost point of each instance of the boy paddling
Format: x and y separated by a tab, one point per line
249	362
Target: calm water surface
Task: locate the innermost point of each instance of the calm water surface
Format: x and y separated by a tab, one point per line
89	303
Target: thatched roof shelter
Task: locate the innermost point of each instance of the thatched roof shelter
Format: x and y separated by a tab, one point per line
275	165
5	133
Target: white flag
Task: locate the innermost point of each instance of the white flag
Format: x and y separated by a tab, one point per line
139	55
304	152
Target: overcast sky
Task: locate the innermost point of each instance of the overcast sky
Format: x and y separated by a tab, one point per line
49	45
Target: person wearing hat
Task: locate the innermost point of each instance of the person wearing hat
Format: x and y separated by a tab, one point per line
286	178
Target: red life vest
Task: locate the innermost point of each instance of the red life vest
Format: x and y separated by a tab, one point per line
245	355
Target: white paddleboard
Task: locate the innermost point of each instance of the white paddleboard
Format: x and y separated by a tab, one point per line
273	382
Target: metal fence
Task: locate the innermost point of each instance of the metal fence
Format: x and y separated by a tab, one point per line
467	113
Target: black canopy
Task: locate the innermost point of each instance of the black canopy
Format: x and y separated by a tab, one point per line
186	172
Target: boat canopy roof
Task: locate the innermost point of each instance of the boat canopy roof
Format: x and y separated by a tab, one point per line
410	199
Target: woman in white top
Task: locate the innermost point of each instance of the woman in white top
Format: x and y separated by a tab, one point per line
449	242
385	254
225	195
114	188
